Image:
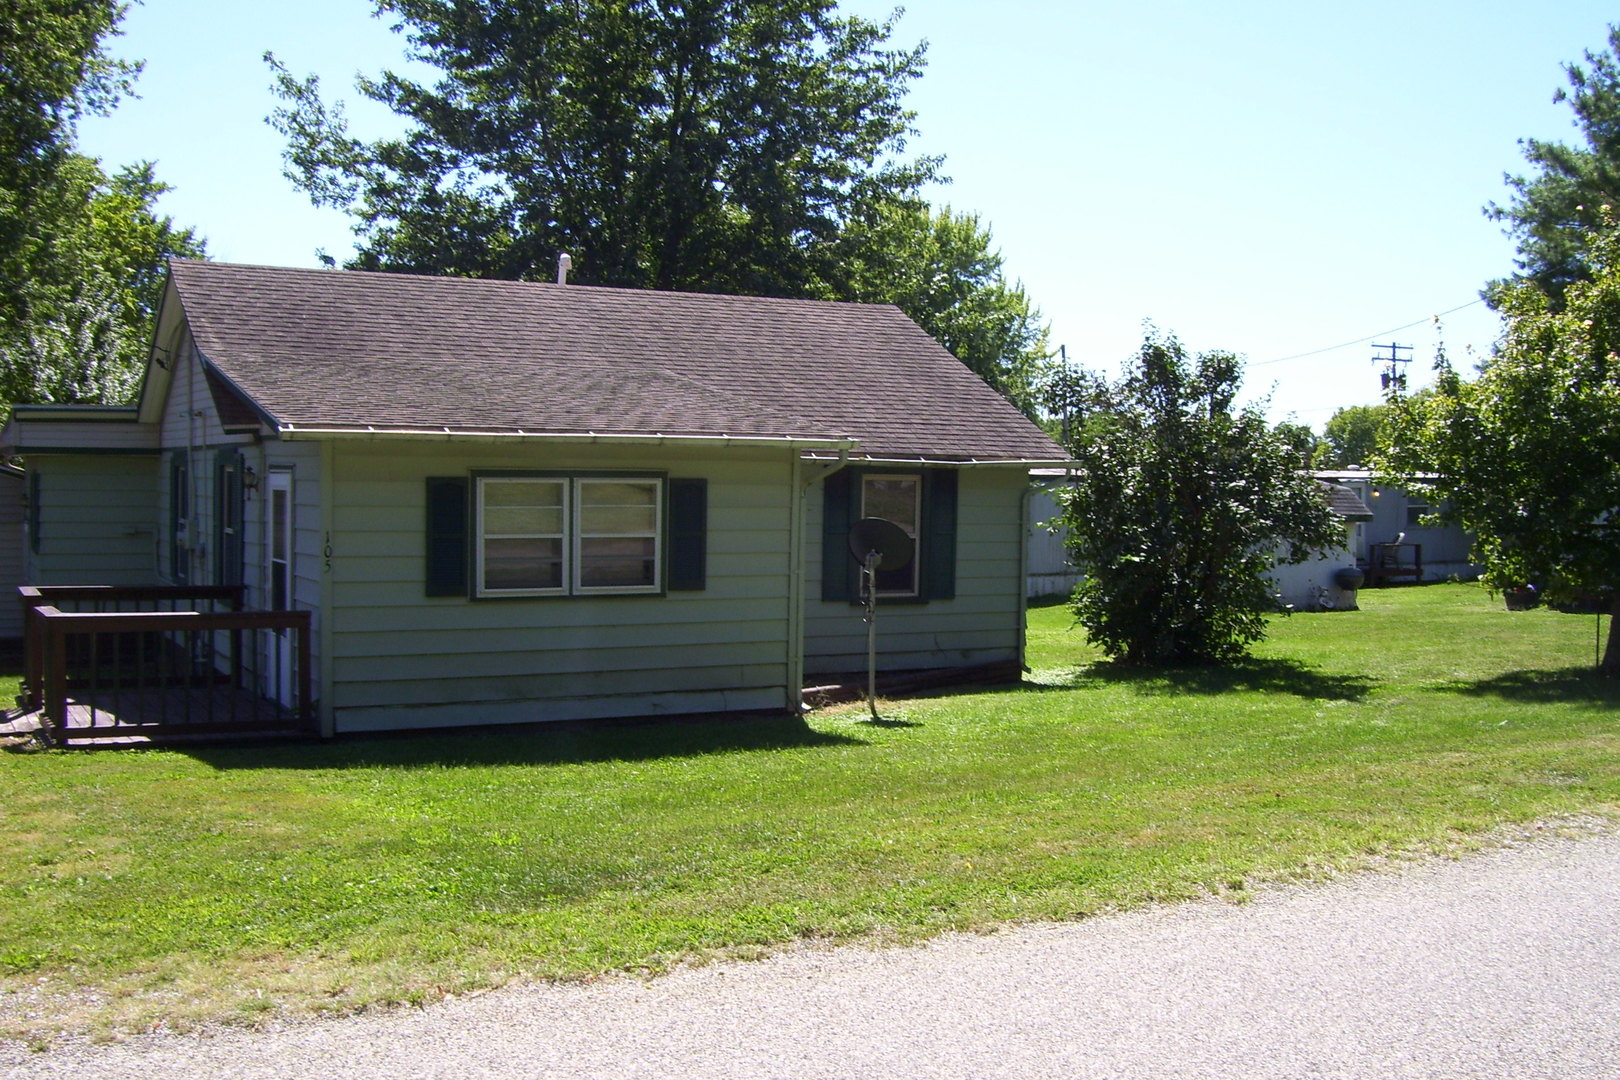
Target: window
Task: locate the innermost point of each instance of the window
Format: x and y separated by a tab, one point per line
897	498
32	524
616	544
554	536
924	503
179	517
1415	513
522	529
229	496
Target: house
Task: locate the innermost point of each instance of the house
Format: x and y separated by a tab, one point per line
1050	573
1328	580
509	501
1395	543
1313	584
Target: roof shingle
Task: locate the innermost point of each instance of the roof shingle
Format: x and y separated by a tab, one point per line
349	349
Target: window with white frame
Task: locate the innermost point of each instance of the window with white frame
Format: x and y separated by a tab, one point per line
616	541
556	536
898	498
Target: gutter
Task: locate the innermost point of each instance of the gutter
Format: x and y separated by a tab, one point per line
971	463
118	414
372	434
1022	628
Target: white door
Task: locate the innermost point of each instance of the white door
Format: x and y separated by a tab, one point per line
281	645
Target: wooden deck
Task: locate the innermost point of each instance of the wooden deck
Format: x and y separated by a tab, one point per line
151	715
162	663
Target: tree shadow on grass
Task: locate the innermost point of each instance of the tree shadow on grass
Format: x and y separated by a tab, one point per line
1267	676
1577	685
559	743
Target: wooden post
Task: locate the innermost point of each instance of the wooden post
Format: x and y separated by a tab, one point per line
306	711
55	712
33	659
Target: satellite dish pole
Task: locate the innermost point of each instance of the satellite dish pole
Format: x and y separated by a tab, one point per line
876	542
869	566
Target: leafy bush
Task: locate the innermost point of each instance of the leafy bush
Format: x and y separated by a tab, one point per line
1182	504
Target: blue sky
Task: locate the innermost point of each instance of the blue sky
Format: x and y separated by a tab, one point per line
1275	179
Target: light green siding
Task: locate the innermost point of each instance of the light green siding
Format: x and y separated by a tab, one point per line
402	659
13	488
190	424
983	624
97	520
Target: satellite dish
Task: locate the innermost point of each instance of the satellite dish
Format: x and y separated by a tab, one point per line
876	542
894	547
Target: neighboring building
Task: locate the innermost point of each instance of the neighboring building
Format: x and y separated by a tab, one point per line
1051	573
1396	537
1312	584
1319	583
508	502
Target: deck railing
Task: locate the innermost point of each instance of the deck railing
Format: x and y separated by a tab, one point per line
109	662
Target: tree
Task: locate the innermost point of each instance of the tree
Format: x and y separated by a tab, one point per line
54	68
1555	210
1181	504
1353	435
1308	449
81	253
940	268
712	145
90	273
1527	455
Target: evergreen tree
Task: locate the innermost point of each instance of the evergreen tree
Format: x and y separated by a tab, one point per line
1555	210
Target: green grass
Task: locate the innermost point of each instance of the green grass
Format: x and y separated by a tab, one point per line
141	887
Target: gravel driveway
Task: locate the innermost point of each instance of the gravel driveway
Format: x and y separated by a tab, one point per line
1503	964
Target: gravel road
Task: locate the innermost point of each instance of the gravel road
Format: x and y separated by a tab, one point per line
1503	964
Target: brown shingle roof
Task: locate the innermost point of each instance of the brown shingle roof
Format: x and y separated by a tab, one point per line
1346	503
349	349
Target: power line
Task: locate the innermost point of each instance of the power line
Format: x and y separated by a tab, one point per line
1369	337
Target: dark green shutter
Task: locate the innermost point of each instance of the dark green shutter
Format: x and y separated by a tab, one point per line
228	516
839	492
446	536
33	510
688	534
937	543
179	512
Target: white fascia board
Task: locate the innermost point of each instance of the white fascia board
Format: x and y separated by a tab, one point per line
292	432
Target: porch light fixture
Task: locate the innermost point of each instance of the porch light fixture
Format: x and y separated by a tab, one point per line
250	479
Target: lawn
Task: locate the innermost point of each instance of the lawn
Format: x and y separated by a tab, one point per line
170	887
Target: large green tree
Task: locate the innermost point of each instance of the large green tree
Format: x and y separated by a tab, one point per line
1527	455
708	145
81	251
54	68
941	268
1353	435
1555	209
1181	503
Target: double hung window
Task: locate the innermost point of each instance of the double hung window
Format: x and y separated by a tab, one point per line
922	502
897	498
555	536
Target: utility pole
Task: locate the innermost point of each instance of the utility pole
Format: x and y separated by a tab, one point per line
1393	377
1067	403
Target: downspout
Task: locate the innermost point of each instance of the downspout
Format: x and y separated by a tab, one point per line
193	492
796	599
324	662
1023	576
